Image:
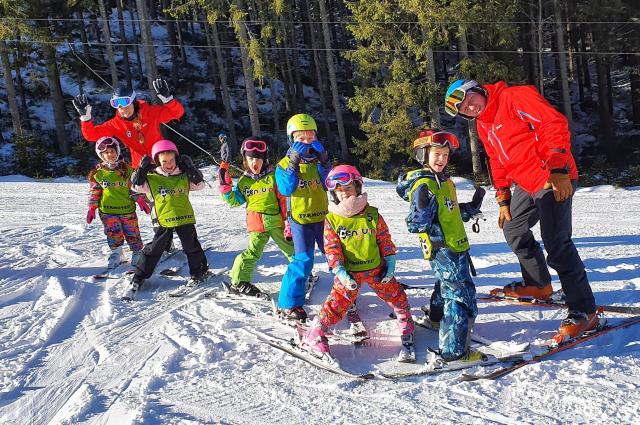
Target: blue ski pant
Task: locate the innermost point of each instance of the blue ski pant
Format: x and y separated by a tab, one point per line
305	239
453	302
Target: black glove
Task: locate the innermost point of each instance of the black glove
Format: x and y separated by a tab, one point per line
225	153
162	90
81	104
139	177
478	196
190	169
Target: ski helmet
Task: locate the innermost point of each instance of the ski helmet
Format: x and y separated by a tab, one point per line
300	122
254	147
122	96
107	142
456	93
342	175
433	137
163	146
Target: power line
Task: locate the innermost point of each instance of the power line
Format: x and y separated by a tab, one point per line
267	21
324	49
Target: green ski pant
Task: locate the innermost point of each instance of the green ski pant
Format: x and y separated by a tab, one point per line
245	263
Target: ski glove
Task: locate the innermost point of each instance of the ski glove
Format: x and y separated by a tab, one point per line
503	197
391	269
139	177
91	214
162	90
81	104
296	151
225	153
190	169
321	152
345	278
143	204
224	179
562	186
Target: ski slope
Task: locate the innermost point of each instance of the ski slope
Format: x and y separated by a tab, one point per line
72	352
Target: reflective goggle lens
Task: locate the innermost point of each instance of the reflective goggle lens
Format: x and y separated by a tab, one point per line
121	102
453	100
441	139
107	144
341	179
255	146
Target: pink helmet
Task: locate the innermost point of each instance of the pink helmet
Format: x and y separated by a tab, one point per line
163	146
342	175
107	142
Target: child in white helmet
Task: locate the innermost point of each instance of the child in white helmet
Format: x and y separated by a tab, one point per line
111	196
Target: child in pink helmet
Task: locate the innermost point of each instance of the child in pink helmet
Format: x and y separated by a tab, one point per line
111	196
169	185
359	250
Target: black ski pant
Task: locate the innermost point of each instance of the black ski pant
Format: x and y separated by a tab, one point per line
152	251
555	228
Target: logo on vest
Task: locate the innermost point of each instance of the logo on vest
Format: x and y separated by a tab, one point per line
344	233
107	184
250	192
449	203
164	192
314	183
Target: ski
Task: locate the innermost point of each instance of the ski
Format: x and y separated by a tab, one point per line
309	285
187	288
294	349
109	273
551	351
552	302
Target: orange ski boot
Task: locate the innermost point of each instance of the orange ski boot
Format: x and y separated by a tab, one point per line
576	324
521	290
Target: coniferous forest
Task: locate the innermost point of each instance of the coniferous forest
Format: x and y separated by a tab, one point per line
372	73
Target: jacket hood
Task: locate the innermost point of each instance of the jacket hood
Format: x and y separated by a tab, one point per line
406	181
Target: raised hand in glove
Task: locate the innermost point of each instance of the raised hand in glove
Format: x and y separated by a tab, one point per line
503	197
143	204
83	107
345	278
162	90
139	177
224	179
561	185
295	154
390	270
321	152
190	169
91	214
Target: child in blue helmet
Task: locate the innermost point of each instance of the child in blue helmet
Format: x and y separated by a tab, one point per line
300	176
434	213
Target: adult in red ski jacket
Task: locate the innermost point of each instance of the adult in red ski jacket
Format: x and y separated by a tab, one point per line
529	145
136	123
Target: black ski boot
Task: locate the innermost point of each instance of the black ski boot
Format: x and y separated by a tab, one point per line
246	289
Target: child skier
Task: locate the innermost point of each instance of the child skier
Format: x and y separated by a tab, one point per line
169	185
434	213
359	250
112	197
266	210
300	176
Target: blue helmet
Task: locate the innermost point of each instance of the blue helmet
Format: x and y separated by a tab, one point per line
456	93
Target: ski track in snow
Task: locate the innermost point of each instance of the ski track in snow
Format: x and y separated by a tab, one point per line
72	352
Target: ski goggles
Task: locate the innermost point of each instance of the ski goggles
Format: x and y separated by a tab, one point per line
456	97
442	139
121	102
250	145
341	179
107	143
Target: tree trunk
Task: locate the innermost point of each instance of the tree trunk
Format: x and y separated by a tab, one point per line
226	98
606	122
106	33
274	110
211	56
607	62
539	48
342	138
434	109
247	71
296	60
562	64
24	110
135	41
11	92
634	76
84	39
149	51
123	40
55	92
320	81
173	41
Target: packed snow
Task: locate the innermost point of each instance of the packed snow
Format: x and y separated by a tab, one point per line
72	352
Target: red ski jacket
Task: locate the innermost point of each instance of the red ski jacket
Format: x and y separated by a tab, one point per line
138	134
524	136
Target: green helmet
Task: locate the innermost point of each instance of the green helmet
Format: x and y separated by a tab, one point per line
300	122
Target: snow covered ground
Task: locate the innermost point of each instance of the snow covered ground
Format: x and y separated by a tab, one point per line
72	352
